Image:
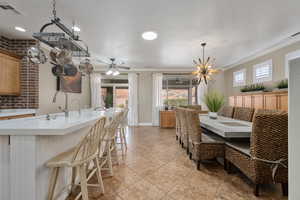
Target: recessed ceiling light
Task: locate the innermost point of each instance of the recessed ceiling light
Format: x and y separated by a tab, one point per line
76	28
149	35
20	29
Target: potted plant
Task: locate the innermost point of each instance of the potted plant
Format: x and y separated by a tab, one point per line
253	87
214	102
283	84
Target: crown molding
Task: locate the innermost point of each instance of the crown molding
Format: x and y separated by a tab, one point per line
286	42
103	69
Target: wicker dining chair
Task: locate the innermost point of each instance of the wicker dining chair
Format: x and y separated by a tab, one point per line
178	125
79	159
194	107
268	148
226	111
245	114
183	134
202	146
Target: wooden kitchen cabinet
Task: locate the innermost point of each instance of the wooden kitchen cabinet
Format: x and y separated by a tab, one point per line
232	101
270	102
283	102
239	101
9	74
258	101
167	119
248	101
17	116
277	100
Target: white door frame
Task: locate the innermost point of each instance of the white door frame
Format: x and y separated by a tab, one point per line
114	86
288	57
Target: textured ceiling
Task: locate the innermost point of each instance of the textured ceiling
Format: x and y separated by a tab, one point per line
233	29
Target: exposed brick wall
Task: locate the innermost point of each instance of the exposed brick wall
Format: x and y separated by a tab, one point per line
29	97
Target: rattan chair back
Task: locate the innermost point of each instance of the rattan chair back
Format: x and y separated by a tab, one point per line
226	111
245	114
193	124
269	138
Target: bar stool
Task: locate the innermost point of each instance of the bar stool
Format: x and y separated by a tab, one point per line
122	131
105	154
79	159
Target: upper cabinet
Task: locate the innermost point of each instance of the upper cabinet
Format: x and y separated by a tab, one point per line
9	74
268	100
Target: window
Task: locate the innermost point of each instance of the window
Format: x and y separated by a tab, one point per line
262	72
239	78
179	90
115	91
122	97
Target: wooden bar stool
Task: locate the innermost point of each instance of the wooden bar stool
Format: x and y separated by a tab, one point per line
110	148
122	132
79	159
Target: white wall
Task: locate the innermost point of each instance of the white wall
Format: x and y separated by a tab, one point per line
47	89
294	134
145	97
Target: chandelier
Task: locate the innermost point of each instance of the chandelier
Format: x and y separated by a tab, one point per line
204	67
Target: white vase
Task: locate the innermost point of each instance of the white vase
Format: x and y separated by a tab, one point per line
213	115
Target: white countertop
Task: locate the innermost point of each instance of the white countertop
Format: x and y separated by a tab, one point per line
15	112
59	126
222	127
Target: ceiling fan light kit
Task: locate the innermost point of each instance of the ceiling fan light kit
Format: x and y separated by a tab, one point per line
113	67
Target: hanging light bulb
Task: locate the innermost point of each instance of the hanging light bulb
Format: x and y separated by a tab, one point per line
204	68
109	72
116	73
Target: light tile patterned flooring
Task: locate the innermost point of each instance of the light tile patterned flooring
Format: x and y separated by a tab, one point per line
157	168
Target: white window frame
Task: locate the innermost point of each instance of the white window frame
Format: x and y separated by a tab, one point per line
288	57
265	79
238	84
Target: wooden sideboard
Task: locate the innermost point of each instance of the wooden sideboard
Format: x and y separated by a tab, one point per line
167	119
9	74
266	100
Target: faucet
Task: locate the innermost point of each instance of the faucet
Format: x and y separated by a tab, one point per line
66	109
78	101
99	108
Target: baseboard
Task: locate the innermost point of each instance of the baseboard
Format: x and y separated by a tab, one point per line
145	124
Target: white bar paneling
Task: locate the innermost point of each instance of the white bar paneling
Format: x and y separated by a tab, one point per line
22	167
4	167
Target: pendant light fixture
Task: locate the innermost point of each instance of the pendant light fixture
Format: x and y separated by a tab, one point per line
204	67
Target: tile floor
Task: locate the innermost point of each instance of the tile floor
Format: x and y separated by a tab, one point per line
157	168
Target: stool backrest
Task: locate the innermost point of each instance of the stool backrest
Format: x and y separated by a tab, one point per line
88	146
113	125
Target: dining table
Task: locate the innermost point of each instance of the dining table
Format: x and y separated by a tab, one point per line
227	128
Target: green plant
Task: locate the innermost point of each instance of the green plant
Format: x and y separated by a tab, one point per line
283	84
109	100
253	87
176	102
214	101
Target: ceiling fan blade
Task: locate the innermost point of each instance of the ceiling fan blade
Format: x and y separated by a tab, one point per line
123	67
102	61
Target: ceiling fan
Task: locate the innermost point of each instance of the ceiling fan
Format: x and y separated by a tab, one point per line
114	66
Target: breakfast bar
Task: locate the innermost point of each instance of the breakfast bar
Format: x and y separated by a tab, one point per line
27	144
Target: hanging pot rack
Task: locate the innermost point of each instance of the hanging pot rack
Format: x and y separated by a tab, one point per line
67	39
